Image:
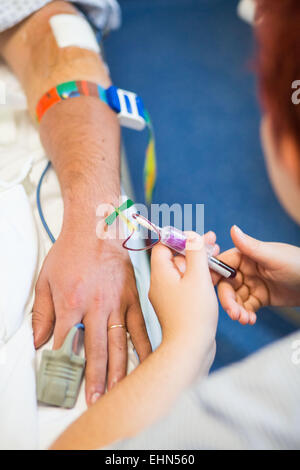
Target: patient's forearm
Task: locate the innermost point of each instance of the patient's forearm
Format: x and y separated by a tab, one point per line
81	135
141	398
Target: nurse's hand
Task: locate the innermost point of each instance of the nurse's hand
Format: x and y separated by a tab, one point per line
267	274
183	296
91	280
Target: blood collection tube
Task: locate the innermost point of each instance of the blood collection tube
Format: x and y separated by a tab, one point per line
176	240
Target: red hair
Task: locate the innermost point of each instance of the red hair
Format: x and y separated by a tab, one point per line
277	31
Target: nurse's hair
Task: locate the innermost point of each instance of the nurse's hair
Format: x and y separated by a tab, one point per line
277	29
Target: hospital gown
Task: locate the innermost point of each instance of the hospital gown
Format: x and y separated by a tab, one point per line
104	14
254	404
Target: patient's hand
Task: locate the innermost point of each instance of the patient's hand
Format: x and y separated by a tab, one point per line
82	277
91	280
267	274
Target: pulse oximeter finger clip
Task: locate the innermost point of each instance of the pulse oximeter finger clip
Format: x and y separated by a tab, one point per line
60	373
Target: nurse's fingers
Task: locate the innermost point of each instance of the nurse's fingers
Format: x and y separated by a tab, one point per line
234	305
228	299
209	237
162	266
196	257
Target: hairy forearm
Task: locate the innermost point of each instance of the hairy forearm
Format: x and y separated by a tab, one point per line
81	136
141	398
85	154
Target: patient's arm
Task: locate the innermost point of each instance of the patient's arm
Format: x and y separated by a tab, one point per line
82	276
187	309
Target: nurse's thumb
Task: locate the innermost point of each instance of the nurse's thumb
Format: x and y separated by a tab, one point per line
258	251
42	314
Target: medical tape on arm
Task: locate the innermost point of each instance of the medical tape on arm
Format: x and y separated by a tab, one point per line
73	31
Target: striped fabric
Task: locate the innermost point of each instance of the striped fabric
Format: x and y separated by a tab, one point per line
104	14
254	404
